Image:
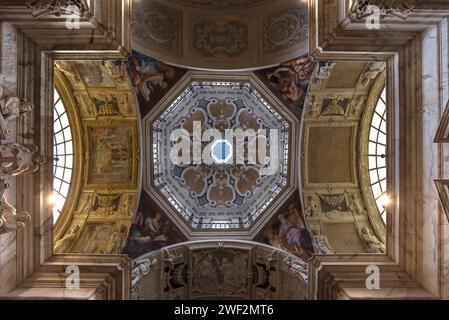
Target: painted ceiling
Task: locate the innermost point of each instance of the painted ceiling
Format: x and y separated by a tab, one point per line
220	195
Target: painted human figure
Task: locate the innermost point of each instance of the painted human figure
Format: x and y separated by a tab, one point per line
10	219
295	238
140	239
156	226
293	78
12	106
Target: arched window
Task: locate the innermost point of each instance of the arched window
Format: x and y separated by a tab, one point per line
377	152
62	155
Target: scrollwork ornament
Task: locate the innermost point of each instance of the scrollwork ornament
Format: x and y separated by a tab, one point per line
156	25
365	8
285	29
58	7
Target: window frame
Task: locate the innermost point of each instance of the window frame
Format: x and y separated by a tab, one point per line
377	160
66	144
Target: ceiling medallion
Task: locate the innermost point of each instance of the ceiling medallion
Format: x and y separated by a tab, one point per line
221	151
220	154
364	8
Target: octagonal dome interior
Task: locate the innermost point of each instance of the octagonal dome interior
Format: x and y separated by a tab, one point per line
219	195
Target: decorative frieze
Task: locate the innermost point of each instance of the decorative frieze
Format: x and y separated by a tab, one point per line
206	270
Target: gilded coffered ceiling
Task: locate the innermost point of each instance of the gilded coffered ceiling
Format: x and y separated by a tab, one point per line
104	189
239	35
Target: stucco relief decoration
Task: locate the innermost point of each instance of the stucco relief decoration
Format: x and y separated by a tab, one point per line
71	73
105	205
372	71
11	107
284	29
214	270
322	73
156	26
365	8
103	105
228	39
140	269
57	7
372	242
320	241
297	266
265	270
94	238
334	106
174	274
